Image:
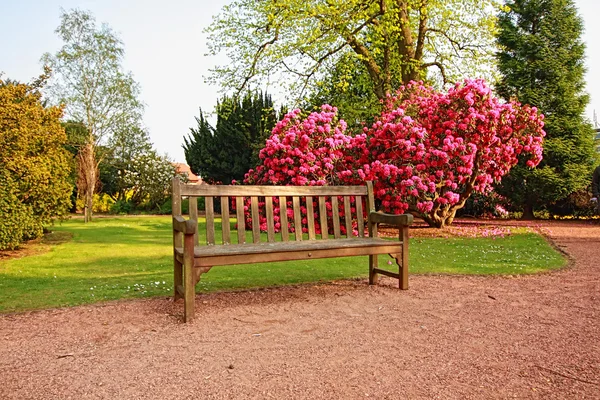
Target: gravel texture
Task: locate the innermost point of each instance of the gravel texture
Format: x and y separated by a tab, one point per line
448	337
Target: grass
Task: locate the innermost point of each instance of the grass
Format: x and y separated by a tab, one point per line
131	257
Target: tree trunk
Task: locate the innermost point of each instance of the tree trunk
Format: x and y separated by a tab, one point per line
87	179
527	212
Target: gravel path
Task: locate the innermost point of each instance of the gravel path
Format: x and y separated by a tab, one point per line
448	337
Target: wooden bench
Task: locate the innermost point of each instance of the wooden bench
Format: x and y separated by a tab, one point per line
192	260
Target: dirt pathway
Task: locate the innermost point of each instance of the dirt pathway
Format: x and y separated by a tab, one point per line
446	338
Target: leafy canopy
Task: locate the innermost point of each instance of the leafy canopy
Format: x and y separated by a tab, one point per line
298	41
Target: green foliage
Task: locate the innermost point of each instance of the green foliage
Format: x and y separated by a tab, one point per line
149	179
125	147
118	258
541	63
226	152
299	42
34	167
348	87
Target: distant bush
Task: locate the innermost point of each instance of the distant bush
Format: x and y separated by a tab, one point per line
34	166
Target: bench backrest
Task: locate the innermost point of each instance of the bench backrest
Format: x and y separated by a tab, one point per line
350	201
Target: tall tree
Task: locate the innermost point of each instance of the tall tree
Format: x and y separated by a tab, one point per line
34	166
283	39
227	151
541	63
90	81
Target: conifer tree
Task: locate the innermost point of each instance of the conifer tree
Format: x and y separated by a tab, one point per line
227	151
541	63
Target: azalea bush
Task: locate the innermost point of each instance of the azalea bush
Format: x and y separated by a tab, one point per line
429	151
426	153
303	151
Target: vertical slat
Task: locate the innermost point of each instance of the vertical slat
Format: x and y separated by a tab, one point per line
210	220
335	209
370	198
297	217
193	207
241	221
270	219
255	220
323	217
348	216
177	238
283	219
225	225
359	217
404	271
310	216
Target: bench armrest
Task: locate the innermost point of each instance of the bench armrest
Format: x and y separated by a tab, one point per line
185	226
390	219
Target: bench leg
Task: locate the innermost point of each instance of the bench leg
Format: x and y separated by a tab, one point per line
177	278
403	281
188	276
373	276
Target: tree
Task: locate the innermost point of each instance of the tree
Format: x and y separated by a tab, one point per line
149	179
34	168
225	153
124	148
297	41
96	92
541	63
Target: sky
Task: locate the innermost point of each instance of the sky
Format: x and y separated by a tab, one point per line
165	49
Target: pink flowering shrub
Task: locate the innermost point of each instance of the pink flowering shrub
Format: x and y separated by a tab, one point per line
426	153
301	151
429	151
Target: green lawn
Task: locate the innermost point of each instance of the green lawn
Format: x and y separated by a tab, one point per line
126	257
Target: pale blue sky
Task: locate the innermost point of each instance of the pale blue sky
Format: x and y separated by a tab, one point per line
164	49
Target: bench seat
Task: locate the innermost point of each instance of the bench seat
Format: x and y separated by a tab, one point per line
249	253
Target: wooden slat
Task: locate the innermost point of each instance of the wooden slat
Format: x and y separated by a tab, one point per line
176	210
323	217
255	220
310	216
297	250
283	219
193	209
225	225
370	197
348	216
236	190
270	219
210	220
359	217
297	217
241	220
335	209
